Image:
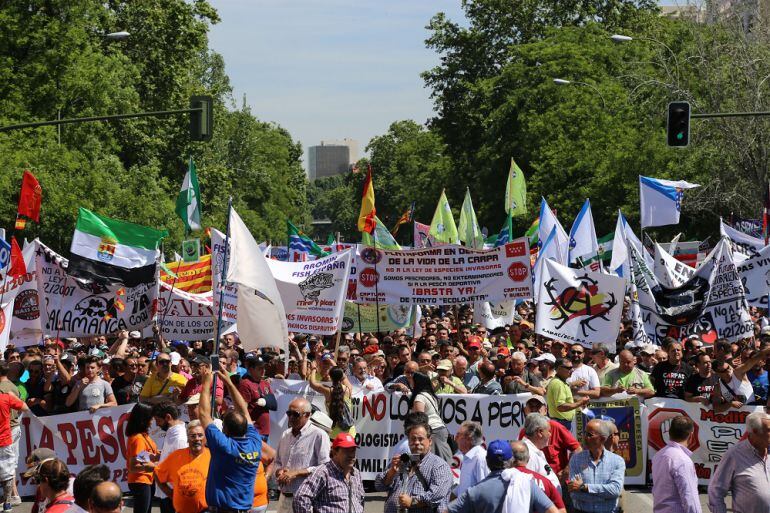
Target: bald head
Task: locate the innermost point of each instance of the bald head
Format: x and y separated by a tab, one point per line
520	453
412	367
106	497
300	404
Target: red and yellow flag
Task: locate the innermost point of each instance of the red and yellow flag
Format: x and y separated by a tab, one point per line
194	277
366	222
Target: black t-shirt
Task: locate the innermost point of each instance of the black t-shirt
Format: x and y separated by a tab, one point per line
127	391
699	386
669	380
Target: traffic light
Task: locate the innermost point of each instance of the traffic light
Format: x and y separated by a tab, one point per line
201	121
678	126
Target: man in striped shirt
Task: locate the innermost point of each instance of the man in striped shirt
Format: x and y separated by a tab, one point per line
334	487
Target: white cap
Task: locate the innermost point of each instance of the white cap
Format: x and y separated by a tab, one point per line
134	334
175	358
545	357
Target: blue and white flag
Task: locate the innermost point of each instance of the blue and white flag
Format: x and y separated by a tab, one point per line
582	236
624	236
5	253
661	200
548	222
550	250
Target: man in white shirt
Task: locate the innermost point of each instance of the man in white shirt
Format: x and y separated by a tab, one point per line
166	416
584	380
537	435
360	377
474	466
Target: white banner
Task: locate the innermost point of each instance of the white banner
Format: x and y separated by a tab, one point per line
669	271
743	246
711	304
494	315
755	277
185	316
70	307
25	324
445	275
368	319
230	308
579	306
313	293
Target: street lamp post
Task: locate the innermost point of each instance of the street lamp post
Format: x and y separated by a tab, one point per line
117	36
562	81
620	38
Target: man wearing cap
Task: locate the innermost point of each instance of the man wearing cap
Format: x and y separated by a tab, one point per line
647	358
489	495
334	486
600	355
475	355
522	380
469	438
255	388
163	384
446	383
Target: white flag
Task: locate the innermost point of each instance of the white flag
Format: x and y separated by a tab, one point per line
549	250
744	246
261	316
624	236
669	271
661	200
548	221
582	236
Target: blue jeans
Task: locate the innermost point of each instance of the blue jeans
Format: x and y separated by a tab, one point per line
142	496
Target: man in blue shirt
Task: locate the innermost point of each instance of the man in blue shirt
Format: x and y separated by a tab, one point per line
596	474
235	451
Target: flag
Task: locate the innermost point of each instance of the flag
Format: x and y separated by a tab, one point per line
18	267
623	237
515	191
443	227
380	237
470	233
5	253
422	237
30	197
532	232
550	250
406	217
582	236
111	251
300	245
330	239
660	200
366	216
547	222
192	277
261	317
504	237
188	202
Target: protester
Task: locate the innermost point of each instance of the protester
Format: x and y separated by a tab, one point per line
743	471
91	392
255	389
596	474
488	385
193	386
490	494
141	456
128	385
600	355
182	475
334	486
302	448
338	400
106	497
537	436
561	405
448	383
700	386
734	389
53	479
84	484
674	482
521	460
421	482
473	469
561	443
627	378
360	377
163	384
423	399
460	370
670	376
522	380
166	415
584	381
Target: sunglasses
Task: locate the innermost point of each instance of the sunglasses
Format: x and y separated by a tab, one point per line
164	362
576	352
293	414
568	367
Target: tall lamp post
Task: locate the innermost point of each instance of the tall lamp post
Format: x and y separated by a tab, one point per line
562	81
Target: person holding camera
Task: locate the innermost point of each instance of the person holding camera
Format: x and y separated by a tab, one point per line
418	482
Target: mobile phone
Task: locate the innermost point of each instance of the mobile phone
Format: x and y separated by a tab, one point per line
215	362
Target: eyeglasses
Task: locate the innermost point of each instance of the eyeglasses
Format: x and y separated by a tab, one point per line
293	414
568	367
577	352
164	362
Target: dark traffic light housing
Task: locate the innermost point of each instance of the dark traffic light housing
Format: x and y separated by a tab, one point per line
678	124
201	121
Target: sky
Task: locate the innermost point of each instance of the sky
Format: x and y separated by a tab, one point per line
330	69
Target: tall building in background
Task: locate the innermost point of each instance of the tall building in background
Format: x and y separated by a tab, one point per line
331	158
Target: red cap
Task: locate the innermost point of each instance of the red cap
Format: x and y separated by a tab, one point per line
371	349
503	350
344	440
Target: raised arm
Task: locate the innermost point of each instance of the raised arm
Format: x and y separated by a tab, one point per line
238	401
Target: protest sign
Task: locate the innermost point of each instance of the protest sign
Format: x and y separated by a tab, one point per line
313	292
22	291
755	277
71	307
185	316
669	271
230	297
444	275
711	304
579	306
422	237
494	315
363	318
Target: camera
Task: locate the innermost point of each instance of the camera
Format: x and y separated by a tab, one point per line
409	460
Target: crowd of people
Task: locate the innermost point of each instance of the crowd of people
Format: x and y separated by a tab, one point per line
215	454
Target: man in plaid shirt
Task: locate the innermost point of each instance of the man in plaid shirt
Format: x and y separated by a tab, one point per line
334	487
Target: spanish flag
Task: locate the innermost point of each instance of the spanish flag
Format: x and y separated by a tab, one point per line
366	222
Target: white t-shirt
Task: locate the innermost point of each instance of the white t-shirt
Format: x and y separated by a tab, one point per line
539	464
588	374
176	438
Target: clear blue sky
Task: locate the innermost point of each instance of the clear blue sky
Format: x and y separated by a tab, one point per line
330	69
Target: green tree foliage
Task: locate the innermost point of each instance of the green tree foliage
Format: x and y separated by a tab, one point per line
56	62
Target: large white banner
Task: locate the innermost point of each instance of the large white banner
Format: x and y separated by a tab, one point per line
579	306
669	271
494	315
711	304
445	275
755	277
22	292
185	316
313	292
744	246
70	307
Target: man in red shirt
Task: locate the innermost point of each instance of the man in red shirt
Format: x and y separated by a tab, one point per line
561	445
257	393
8	459
193	385
520	460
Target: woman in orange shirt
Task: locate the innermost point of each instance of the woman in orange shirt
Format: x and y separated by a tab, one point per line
142	455
260	483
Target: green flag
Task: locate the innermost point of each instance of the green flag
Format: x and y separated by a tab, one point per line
382	239
188	203
532	232
443	226
330	240
516	191
301	243
470	233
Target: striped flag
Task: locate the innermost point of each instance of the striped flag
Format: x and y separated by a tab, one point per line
366	221
194	277
406	217
300	245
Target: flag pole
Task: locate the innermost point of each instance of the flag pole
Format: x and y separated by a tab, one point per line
360	331
376	281
215	351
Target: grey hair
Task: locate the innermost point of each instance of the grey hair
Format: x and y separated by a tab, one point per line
518	355
754	421
603	348
520	452
344	349
535	422
461	358
603	428
473	430
193	424
303	404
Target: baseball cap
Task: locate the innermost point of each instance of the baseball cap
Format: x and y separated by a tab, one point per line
344	440
502	352
37	458
499	450
193	400
134	334
545	357
472	344
257	358
536	397
201	359
648	349
175	358
444	365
